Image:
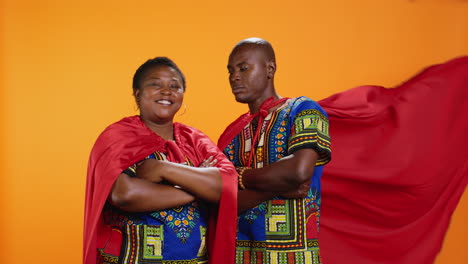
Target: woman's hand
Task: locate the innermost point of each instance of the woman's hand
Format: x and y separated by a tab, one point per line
151	170
209	162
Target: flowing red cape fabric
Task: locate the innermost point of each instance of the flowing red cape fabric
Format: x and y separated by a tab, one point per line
128	141
399	168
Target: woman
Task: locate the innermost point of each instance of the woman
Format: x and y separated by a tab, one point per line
150	193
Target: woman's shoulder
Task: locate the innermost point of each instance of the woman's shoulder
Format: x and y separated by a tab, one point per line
187	129
190	134
129	122
125	128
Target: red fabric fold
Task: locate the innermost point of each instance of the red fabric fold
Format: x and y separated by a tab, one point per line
128	141
399	168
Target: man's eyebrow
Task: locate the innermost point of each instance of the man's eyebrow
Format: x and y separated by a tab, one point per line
238	64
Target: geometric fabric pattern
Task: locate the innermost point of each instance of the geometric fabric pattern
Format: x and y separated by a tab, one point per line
142	244
282	230
157	237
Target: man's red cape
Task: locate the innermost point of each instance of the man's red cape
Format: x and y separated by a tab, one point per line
128	141
399	168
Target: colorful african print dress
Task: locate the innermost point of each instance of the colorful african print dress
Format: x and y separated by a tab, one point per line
192	233
175	235
282	230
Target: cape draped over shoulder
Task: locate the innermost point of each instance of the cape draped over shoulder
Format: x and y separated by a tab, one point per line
128	141
399	167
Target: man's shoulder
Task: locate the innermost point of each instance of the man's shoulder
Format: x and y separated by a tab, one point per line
302	100
303	103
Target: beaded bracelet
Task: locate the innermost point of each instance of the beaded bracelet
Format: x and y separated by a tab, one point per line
240	172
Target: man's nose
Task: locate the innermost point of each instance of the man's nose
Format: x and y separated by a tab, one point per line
234	76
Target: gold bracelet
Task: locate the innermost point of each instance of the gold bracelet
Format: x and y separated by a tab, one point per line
240	172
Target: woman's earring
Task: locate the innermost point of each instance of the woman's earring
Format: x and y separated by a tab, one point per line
137	106
185	110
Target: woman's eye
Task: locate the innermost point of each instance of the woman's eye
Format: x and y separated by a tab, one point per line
155	84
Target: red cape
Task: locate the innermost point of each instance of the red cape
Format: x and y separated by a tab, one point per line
128	141
399	168
236	127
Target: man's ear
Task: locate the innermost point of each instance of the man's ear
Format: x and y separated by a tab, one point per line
271	69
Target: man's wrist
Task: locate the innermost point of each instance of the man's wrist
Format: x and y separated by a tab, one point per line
240	177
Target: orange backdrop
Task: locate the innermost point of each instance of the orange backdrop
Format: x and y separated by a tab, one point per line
66	69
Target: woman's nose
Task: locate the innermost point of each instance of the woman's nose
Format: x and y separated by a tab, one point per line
165	90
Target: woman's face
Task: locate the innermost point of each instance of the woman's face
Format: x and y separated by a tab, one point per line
160	95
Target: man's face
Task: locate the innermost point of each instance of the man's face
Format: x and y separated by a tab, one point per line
248	78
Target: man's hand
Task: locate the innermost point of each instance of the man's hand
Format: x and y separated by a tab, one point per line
151	170
300	192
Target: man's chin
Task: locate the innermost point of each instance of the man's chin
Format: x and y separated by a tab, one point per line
242	100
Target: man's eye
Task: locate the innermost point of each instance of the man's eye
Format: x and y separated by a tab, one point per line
244	69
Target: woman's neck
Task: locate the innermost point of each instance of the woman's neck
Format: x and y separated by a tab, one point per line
165	130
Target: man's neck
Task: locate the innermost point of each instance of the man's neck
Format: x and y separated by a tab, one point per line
254	107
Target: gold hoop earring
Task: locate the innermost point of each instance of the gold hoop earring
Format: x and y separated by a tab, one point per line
185	110
136	107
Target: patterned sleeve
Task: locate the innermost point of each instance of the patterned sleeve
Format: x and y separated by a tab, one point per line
310	129
130	171
207	149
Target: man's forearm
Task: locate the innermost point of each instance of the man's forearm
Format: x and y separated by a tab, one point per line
284	175
248	199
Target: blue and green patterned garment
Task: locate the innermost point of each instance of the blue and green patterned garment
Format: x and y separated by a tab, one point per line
283	230
172	236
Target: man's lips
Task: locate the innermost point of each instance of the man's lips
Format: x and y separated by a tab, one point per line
237	89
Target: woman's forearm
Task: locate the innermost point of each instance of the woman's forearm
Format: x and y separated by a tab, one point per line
138	195
205	183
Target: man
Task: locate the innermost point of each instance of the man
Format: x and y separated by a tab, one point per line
279	148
